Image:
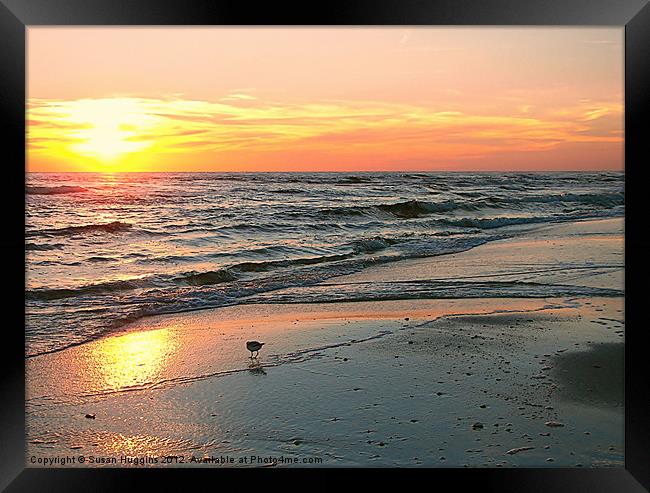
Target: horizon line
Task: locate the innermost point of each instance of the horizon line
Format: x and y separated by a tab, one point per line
349	171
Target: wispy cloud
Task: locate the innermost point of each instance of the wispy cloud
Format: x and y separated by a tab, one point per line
238	97
270	131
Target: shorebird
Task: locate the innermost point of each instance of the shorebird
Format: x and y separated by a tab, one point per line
254	346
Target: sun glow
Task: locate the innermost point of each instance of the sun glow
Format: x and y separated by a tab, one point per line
110	127
101	130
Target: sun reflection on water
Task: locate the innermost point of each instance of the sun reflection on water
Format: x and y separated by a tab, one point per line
133	359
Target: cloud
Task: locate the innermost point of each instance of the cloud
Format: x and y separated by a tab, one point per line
238	97
270	131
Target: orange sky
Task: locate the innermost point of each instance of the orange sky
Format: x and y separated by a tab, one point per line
324	99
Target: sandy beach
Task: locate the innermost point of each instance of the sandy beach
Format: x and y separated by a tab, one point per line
447	382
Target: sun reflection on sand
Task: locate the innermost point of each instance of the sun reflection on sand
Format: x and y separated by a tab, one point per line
132	359
135	448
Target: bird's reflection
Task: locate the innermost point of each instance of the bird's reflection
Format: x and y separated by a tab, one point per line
255	367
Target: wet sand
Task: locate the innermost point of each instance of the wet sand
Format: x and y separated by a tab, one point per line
442	383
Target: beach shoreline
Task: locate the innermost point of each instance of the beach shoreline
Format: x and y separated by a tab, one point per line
478	382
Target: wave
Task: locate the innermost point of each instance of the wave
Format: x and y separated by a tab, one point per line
482	223
492	223
97	258
207	278
118	287
415	208
354	180
372	245
356	247
225	275
264	266
42	248
404	210
112	227
412	209
426	289
49	294
287	191
610	199
33	190
164	298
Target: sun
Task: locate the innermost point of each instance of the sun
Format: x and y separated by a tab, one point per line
107	142
109	129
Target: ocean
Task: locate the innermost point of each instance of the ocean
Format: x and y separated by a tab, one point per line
103	250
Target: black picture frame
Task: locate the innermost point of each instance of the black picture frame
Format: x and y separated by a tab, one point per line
17	15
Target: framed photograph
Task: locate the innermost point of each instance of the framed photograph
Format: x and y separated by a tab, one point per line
398	236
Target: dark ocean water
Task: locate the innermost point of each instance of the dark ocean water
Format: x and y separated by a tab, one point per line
106	249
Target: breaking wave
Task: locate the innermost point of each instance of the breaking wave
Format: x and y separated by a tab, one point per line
111	228
412	209
32	190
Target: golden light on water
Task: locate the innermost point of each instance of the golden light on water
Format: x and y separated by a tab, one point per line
132	360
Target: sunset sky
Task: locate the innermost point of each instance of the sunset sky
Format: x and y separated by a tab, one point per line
324	99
